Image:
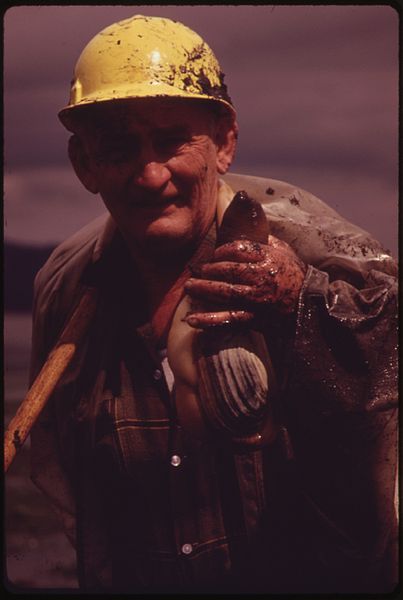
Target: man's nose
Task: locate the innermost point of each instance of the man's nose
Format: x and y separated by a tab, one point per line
152	172
153	175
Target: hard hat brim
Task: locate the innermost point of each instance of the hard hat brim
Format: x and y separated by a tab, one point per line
123	94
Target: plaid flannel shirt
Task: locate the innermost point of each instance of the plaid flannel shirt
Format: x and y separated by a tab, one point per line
151	509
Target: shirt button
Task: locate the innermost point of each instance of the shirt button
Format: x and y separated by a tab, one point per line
187	549
157	374
175	460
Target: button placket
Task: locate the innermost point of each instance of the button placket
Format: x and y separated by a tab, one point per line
184	526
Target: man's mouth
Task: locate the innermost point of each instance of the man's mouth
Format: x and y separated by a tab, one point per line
156	202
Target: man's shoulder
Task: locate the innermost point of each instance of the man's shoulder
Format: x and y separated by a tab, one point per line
318	234
68	260
264	188
269	191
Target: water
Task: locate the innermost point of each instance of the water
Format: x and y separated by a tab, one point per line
38	554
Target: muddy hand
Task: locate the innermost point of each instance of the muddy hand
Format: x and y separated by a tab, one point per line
246	277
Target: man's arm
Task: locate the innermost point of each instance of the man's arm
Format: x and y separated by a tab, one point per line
341	409
56	290
339	378
46	468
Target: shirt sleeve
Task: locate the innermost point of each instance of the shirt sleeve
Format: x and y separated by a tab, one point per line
326	240
341	406
47	472
57	289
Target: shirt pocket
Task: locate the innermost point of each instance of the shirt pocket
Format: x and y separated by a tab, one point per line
130	445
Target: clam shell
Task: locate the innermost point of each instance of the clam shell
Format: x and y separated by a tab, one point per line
235	374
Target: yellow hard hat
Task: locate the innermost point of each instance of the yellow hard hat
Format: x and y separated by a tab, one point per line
145	57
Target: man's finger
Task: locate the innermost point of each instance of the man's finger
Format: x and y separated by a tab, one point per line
217	291
241	251
275	243
216	319
231	272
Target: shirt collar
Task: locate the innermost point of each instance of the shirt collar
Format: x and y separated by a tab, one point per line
106	234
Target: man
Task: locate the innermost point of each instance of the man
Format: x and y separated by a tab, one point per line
153	494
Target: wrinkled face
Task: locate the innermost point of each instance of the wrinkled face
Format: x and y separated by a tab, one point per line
156	166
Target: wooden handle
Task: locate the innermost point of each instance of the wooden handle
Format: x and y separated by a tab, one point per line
49	376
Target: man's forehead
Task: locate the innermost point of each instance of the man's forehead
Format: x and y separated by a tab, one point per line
150	114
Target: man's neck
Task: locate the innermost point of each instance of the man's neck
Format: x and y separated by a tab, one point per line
164	277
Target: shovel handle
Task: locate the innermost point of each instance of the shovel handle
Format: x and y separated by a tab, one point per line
49	376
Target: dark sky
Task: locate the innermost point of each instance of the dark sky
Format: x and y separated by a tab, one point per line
316	89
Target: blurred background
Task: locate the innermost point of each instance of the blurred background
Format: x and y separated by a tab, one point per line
316	89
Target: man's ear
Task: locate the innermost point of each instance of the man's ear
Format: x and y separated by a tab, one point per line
81	164
226	140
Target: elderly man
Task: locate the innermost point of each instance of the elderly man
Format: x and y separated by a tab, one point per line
166	482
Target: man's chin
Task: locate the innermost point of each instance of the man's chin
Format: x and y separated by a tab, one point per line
157	240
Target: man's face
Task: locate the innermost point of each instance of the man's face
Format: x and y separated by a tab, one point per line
155	165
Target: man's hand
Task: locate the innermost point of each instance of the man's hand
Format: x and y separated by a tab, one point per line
246	277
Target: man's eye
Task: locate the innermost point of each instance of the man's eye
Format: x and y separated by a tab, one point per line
117	151
171	142
121	154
